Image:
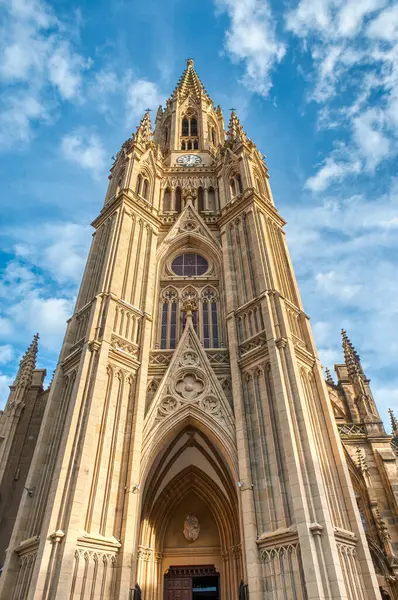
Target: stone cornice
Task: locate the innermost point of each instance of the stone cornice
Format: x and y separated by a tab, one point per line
131	200
250	197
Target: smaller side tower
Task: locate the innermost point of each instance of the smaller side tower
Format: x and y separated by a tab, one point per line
372	460
19	428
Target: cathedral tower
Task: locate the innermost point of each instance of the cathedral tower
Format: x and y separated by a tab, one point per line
189	440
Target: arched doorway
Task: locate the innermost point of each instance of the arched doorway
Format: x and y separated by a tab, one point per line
189	534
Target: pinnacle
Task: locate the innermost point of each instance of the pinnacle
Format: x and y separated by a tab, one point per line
144	133
351	356
31	352
28	363
394	422
235	130
328	377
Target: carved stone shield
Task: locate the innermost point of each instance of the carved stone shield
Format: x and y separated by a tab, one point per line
191	528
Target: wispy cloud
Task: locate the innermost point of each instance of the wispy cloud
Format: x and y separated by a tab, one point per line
354	53
86	150
39	67
141	94
251	38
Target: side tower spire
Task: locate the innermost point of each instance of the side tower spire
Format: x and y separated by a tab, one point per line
364	399
235	131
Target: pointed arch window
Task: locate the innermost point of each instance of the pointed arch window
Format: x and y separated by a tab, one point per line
168	327
235	185
210	318
138	184
145	189
167	200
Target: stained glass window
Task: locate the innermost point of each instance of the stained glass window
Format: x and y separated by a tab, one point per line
189	265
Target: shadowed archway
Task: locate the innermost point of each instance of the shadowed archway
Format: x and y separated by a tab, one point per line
189	477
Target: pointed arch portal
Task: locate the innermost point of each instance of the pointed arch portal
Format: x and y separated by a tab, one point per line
189	521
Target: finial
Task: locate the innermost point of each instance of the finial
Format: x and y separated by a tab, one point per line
328	377
394	422
190	62
235	131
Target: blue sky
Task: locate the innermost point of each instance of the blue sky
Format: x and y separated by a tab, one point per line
315	83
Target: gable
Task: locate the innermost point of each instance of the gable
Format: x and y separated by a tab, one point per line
190	387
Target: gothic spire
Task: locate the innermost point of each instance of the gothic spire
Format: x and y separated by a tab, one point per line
27	364
144	133
235	131
189	84
351	356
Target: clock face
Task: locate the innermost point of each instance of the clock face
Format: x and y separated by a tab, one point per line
189	160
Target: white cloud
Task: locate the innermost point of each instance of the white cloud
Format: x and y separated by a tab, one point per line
16	117
6	353
64	71
141	94
59	249
86	150
330	19
373	145
46	315
337	285
385	25
355	80
251	39
332	170
36	59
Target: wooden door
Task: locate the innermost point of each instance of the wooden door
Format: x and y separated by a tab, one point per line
177	588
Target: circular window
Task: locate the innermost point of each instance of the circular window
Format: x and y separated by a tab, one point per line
189	265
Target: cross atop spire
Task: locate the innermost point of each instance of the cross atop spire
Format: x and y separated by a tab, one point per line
235	131
189	84
144	133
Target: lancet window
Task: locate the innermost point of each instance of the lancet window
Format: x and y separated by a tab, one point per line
205	316
204	299
142	186
235	185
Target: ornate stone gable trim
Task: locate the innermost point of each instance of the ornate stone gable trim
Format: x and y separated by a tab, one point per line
191	386
189	223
